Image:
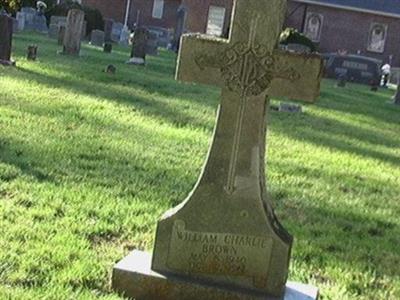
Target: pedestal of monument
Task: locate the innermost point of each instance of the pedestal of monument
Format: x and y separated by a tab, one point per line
134	278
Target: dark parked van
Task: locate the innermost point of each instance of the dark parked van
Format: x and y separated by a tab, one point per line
354	68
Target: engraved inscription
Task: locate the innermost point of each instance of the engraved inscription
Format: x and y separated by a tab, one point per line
218	253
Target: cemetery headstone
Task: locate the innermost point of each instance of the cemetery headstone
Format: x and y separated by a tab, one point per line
180	27
124	36
15	25
224	241
342	78
116	31
32	52
107	47
29	14
110	69
298	48
152	44
6	34
61	34
58	20
139	47
290	108
21	21
33	19
108	26
53	31
73	32
40	21
84	28
97	38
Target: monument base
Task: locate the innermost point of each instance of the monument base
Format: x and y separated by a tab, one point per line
133	277
136	61
7	62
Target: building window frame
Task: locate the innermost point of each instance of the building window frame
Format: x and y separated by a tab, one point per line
310	29
216	27
373	44
158	9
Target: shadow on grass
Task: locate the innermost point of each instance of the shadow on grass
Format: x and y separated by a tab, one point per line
148	98
344	237
359	100
333	134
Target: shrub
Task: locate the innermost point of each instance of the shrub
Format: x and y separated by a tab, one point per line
12	6
93	17
292	36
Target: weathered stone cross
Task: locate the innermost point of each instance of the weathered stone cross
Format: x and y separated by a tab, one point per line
226	231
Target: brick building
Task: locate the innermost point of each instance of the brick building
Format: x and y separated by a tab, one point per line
366	27
210	16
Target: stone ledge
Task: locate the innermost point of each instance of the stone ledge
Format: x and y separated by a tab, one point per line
133	277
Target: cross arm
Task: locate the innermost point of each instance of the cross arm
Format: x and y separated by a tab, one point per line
199	61
306	87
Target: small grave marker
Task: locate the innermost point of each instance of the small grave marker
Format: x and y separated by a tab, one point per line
32	52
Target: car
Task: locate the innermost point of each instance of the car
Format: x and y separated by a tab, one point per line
354	68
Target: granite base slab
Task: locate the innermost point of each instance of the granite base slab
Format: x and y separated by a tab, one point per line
133	277
7	62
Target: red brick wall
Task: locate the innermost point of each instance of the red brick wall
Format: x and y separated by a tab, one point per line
198	13
115	9
349	30
145	9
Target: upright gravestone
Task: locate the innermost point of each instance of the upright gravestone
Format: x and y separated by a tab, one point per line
61	34
6	33
58	20
73	32
21	21
97	38
224	241
29	17
116	31
32	52
107	47
180	27
152	44
108	25
139	47
40	21
53	31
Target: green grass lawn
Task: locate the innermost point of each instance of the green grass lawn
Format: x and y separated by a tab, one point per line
89	161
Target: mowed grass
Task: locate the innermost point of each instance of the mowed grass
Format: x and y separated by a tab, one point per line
89	162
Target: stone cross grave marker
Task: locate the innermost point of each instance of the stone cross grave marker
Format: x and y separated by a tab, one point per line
6	34
224	240
73	32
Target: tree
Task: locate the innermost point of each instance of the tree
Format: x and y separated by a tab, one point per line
10	6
